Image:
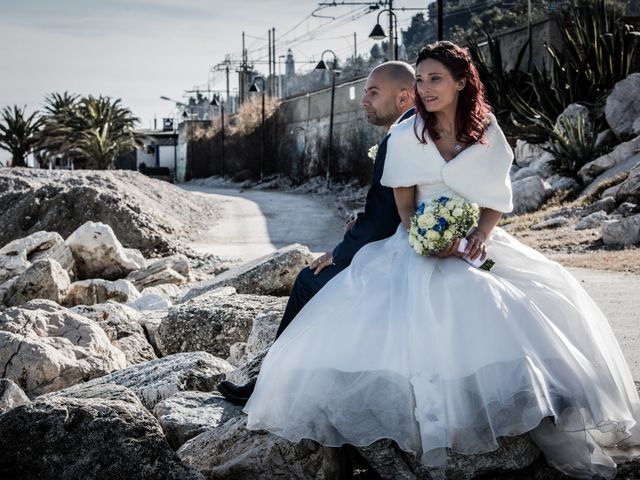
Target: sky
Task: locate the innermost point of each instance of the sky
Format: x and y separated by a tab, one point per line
138	50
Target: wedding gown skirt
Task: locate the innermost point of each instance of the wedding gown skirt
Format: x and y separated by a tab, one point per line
436	355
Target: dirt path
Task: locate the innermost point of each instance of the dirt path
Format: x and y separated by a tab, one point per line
254	223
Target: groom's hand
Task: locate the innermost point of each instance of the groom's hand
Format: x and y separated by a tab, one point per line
319	263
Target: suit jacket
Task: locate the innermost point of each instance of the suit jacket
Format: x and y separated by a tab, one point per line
380	218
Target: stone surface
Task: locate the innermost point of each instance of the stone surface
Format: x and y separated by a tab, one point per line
45	347
571	114
121	325
272	274
230	451
528	194
559	183
627	209
613	176
593	220
263	332
37	246
11	395
160	297
249	370
89	292
608	204
629	189
44	279
99	432
188	414
175	269
156	380
525	153
555	222
623	232
99	254
623	105
212	322
618	155
524	172
388	461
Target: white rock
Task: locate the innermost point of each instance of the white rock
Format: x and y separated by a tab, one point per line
593	220
89	292
99	254
618	155
529	194
623	232
559	183
11	395
45	347
525	153
175	269
622	109
263	332
44	279
39	246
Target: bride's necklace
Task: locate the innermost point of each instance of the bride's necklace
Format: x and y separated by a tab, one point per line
456	146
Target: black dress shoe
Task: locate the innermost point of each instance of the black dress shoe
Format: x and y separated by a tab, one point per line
237	394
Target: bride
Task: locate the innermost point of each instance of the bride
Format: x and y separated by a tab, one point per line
434	353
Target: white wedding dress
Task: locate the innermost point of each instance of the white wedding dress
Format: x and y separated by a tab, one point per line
440	356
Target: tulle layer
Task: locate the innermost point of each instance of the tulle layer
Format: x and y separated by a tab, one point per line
439	356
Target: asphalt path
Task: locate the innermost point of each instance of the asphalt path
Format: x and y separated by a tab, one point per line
254	223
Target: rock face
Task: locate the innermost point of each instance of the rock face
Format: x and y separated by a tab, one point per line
629	189
100	432
175	269
212	322
571	114
623	106
120	323
158	379
593	220
263	332
231	451
44	279
525	153
529	194
89	292
559	183
99	254
188	414
613	176
146	214
249	370
388	461
555	222
45	347
618	155
272	274
622	232
16	256
11	395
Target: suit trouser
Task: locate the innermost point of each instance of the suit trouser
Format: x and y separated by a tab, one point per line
305	287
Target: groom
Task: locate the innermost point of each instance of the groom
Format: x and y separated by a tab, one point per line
388	99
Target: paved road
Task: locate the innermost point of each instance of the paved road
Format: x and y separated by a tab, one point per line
255	223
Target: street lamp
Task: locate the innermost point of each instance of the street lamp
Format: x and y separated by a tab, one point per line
323	66
220	103
378	32
254	88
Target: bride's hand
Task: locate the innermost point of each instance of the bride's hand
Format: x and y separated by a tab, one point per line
452	249
476	245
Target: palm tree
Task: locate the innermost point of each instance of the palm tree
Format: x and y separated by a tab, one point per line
19	133
60	126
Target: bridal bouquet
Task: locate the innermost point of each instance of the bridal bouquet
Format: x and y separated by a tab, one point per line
441	221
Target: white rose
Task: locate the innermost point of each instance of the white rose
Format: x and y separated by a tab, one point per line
426	220
457	212
433	235
448	235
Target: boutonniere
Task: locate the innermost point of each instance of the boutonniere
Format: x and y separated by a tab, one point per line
373	152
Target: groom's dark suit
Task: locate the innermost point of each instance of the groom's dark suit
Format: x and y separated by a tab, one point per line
379	220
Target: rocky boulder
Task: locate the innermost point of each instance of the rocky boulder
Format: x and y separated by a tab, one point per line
99	254
593	220
11	395
159	379
629	189
101	431
232	451
612	178
623	232
45	347
529	194
175	269
273	274
617	156
188	414
44	279
213	322
563	184
388	461
121	325
622	109
525	153
90	292
570	115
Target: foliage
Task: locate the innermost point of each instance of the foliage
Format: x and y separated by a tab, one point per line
18	133
572	145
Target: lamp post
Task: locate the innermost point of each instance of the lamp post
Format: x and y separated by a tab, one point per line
220	103
254	88
378	32
323	66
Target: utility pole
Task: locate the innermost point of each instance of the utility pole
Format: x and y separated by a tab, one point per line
273	55
391	37
355	48
440	20
244	74
270	72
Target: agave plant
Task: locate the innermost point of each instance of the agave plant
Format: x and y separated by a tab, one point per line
572	145
19	133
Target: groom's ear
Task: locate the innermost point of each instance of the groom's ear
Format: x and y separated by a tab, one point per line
404	97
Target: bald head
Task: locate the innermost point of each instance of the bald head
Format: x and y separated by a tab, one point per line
388	93
399	74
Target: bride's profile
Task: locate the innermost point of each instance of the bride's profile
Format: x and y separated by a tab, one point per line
438	355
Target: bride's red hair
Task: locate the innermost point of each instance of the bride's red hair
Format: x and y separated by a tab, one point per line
471	114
